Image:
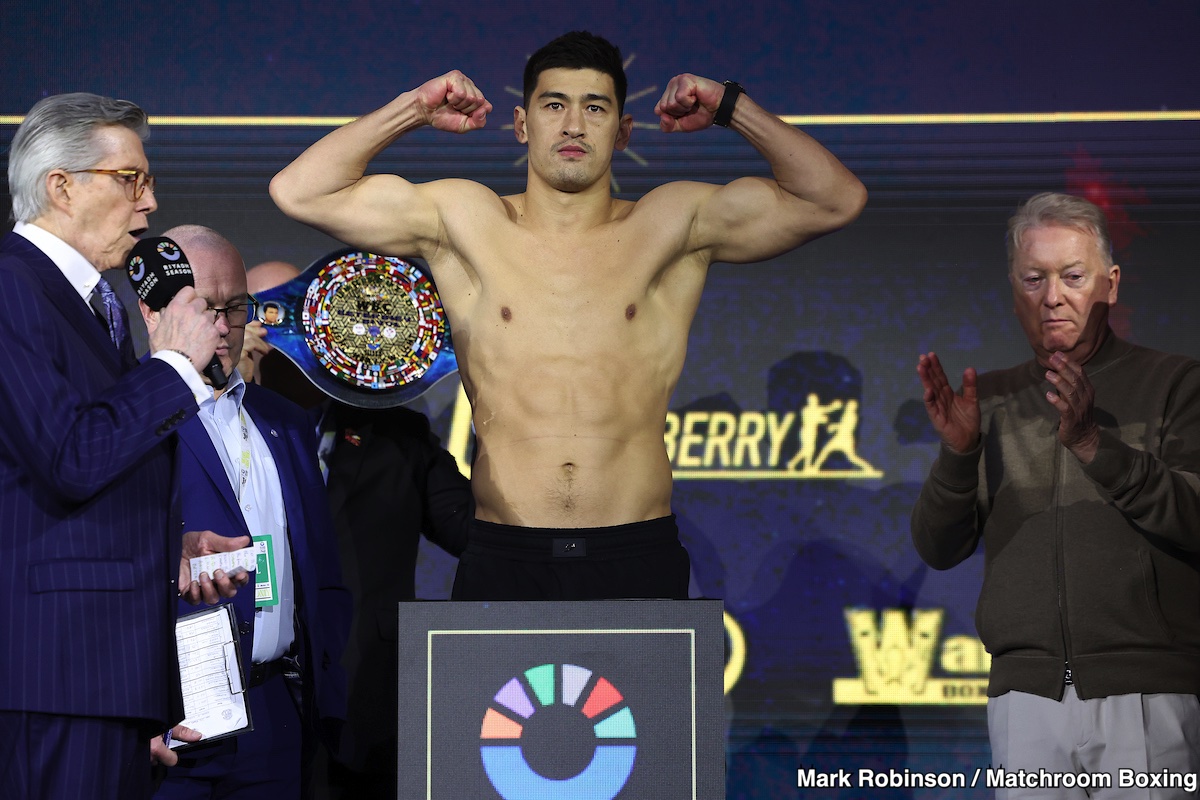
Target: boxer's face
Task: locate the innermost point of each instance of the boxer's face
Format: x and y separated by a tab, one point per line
572	126
1062	291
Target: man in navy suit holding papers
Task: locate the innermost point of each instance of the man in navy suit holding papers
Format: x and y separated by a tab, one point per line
89	556
247	467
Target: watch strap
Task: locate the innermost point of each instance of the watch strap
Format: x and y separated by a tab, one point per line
724	114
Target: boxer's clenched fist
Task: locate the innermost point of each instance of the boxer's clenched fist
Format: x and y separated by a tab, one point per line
453	103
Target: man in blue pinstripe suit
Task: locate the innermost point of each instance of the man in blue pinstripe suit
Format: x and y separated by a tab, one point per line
88	556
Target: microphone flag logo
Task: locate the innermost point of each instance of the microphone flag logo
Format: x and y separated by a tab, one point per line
169	251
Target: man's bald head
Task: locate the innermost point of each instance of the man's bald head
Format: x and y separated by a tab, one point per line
220	276
197	237
269	274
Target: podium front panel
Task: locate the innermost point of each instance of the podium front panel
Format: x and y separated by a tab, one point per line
598	700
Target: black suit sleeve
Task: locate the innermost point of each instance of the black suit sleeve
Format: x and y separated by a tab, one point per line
449	505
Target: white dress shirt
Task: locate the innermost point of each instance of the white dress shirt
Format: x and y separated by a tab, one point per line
255	481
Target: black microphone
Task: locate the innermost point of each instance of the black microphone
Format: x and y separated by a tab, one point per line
158	269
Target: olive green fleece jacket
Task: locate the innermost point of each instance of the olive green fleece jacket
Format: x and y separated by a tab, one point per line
1093	567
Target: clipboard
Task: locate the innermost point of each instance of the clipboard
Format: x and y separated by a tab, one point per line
210	673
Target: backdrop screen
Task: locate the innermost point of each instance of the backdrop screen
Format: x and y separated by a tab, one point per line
796	433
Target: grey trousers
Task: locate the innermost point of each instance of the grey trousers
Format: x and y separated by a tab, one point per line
1144	746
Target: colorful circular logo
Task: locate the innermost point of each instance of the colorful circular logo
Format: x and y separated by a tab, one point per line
137	268
560	732
169	251
373	321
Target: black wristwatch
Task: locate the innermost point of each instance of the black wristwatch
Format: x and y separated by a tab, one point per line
724	114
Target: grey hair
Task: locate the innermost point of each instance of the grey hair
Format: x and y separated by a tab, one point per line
58	133
1064	210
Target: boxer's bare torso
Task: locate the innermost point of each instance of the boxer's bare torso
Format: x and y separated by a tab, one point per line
569	308
570	340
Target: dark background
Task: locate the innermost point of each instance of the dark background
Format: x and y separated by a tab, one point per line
845	317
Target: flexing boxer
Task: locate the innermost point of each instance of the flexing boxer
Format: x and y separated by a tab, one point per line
570	308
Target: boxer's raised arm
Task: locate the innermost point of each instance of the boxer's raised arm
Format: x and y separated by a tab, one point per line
752	219
326	187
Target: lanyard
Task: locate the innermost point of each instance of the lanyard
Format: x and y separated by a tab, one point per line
244	464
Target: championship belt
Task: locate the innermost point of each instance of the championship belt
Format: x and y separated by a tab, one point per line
366	329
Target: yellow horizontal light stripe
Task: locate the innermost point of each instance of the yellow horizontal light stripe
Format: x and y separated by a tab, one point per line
791	119
226	121
991	119
326	122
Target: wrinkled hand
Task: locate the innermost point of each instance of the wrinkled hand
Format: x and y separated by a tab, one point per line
160	753
688	104
184	324
955	417
254	347
1074	398
453	103
206	588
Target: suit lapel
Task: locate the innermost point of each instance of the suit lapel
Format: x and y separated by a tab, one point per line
276	437
63	296
194	438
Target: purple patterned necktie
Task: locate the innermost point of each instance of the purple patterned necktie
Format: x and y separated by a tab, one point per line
114	315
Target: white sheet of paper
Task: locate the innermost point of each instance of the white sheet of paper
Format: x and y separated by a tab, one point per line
214	698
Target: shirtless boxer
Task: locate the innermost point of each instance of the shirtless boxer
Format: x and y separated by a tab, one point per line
570	308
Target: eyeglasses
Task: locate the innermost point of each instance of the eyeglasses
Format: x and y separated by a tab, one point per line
135	178
236	314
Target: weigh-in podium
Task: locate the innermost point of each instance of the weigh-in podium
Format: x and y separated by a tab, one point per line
597	700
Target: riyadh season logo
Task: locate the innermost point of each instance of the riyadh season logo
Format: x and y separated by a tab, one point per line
169	251
137	268
560	732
